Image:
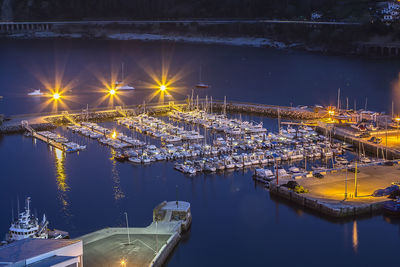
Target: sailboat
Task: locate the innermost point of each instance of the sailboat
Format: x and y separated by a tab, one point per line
35	93
200	84
120	85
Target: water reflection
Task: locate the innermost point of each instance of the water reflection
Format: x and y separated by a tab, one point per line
355	237
62	185
118	194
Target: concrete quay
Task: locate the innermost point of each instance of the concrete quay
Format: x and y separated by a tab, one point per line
149	246
326	196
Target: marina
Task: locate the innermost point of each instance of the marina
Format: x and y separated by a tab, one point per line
224	157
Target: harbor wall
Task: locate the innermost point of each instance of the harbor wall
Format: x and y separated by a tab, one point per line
52	119
376	150
165	251
268	110
336	210
18	128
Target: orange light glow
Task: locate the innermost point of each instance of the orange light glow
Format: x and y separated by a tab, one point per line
163	87
114	135
112	92
397	119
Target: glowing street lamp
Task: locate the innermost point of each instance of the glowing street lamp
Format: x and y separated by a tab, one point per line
163	87
122	262
112	92
56	96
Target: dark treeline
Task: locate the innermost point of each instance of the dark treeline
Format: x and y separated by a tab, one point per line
180	9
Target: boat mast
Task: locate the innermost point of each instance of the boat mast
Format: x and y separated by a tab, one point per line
200	75
338	99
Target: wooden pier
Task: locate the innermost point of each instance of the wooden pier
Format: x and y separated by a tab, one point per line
37	135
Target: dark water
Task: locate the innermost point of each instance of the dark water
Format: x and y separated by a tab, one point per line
235	221
260	75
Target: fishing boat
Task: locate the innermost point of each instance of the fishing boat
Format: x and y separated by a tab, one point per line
173	211
35	93
28	226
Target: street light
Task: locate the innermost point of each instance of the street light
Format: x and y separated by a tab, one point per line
112	92
56	96
163	87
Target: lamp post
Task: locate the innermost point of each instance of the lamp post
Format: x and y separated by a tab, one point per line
127	228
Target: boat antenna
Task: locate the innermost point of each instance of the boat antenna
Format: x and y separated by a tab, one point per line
17	206
338	99
177	196
122	67
12	211
225	105
366	102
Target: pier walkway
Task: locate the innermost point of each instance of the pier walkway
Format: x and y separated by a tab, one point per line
43	138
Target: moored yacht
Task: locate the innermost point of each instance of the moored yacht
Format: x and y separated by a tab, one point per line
35	93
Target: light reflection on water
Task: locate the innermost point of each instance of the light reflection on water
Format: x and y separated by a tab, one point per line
118	193
355	237
61	177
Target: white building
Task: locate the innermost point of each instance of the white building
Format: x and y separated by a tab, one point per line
42	252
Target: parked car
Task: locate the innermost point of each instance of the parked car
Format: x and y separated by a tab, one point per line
378	140
318	175
354	170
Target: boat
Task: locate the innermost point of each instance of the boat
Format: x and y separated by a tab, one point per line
201	85
35	93
28	226
173	211
122	85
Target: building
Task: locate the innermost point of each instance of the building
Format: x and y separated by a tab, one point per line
34	252
390	11
316	16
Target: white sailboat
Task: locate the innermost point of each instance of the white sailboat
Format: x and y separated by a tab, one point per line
35	93
201	84
120	84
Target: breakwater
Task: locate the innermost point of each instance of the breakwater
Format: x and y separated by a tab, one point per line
18	128
51	120
337	209
268	110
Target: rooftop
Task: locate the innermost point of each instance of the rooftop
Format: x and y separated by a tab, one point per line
31	247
